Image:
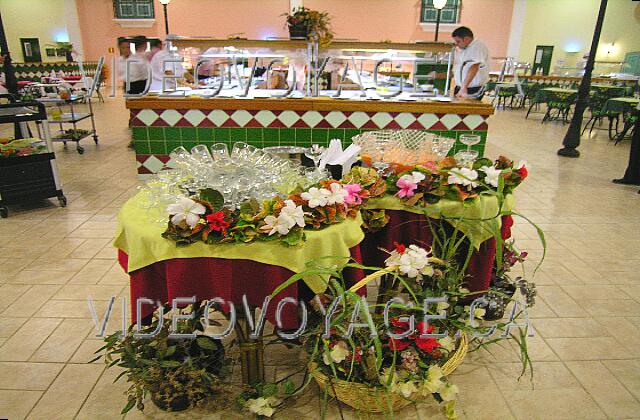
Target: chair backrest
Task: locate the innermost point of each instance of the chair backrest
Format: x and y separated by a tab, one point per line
94	81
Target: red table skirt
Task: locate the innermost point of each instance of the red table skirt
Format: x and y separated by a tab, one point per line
410	228
207	278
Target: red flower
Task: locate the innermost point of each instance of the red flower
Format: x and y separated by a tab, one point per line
523	173
426	344
400	248
217	222
398	345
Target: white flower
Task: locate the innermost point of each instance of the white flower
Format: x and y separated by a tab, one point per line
521	164
479	312
414	262
447	343
432	382
186	210
276	224
294	215
492	175
448	392
338	194
463	176
337	354
406	389
393	260
414	177
316	197
260	406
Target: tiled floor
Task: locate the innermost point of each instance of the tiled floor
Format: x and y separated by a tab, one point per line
587	318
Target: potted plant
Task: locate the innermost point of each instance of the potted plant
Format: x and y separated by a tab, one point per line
176	373
304	23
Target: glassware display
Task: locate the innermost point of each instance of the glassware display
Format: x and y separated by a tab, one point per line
315	153
465	158
470	140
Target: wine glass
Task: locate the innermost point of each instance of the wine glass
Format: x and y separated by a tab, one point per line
220	150
379	163
465	158
470	140
314	153
201	154
442	145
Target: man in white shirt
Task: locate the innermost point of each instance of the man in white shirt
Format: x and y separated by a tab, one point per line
158	56
471	65
133	68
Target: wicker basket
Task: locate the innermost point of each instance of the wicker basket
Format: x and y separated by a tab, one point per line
378	400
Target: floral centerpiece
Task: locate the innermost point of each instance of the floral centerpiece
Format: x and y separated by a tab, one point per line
205	218
303	23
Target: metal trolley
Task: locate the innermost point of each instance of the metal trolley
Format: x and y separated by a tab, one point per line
33	177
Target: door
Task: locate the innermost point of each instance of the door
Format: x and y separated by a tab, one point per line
542	59
31	50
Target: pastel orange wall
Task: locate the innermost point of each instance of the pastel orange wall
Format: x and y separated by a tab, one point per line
366	20
398	20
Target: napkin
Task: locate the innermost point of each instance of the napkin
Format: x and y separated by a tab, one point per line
347	158
333	151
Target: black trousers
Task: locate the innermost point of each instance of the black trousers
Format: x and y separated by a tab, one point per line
136	87
633	168
472	91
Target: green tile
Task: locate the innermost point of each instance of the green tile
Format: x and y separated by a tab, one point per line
139	133
189	144
141	147
205	135
158	147
320	136
271	135
189	134
254	137
156	133
170	145
172	134
303	136
221	135
237	134
349	133
288	136
336	133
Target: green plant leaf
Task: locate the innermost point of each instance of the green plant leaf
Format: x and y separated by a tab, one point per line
205	343
288	387
130	404
170	363
212	197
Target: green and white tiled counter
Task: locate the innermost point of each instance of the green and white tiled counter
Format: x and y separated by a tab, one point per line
159	125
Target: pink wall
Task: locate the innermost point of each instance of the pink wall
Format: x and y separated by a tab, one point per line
366	20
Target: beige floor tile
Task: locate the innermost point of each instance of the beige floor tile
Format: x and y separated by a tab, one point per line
560	302
28	338
597	348
92	272
90	248
87	351
65	264
10	292
107	398
604	308
41	277
546	375
31	301
624	331
28	376
610	395
580	293
83	292
627	372
65	309
553	404
17	404
8	326
568	327
63	342
67	393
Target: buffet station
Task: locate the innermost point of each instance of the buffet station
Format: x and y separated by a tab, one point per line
292	93
324	198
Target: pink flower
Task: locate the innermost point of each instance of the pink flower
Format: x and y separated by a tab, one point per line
406	188
353	194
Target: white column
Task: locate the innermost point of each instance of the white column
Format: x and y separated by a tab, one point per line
517	27
73	25
294	4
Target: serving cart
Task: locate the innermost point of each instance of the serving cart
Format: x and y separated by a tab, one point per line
28	177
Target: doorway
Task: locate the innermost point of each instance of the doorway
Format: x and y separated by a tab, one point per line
542	59
31	50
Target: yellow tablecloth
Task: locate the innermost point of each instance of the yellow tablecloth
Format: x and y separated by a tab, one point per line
141	239
477	219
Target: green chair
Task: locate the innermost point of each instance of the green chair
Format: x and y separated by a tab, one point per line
561	103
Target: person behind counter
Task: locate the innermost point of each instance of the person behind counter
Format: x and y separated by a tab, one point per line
133	68
162	64
471	65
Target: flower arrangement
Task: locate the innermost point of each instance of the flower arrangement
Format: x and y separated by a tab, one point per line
204	218
424	185
310	22
398	356
21	147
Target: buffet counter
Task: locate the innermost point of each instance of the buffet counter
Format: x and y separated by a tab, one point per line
161	124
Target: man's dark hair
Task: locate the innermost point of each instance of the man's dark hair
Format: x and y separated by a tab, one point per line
461	32
155	42
123	39
139	40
